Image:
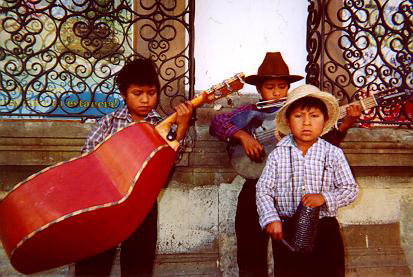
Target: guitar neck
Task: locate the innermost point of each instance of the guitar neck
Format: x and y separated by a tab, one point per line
196	102
208	96
164	126
365	104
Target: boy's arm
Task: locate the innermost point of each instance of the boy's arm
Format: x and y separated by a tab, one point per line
221	125
346	188
265	192
184	114
224	129
353	112
336	135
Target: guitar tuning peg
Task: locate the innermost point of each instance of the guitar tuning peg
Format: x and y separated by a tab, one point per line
217	107
240	77
228	86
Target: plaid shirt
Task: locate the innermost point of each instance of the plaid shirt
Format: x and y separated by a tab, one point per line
288	176
113	122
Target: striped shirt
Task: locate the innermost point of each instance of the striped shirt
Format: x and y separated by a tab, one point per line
288	176
113	122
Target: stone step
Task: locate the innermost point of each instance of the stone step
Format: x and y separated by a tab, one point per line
374	251
197	264
378	272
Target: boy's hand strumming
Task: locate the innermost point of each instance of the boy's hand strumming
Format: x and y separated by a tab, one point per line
353	112
253	149
184	114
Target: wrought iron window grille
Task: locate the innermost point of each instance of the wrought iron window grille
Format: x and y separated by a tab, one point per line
58	58
359	47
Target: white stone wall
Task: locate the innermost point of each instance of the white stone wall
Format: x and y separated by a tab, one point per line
233	36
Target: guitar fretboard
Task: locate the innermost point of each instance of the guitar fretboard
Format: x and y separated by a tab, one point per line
365	104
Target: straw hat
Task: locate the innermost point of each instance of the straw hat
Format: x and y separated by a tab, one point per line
308	90
272	67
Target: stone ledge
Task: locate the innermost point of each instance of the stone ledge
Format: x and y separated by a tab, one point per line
49	142
374	250
375	257
193	264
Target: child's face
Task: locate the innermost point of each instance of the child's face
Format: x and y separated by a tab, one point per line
140	100
306	124
274	89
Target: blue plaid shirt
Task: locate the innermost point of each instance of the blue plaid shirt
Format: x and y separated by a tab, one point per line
113	122
288	176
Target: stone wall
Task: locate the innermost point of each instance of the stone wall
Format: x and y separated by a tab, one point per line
197	207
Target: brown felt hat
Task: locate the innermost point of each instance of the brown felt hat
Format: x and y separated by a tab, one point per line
272	67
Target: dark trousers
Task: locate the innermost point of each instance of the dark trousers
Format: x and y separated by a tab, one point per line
137	254
326	259
252	244
252	241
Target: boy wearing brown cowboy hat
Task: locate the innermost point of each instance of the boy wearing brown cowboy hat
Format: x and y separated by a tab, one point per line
272	82
304	170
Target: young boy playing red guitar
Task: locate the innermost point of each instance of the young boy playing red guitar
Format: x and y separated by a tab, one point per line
306	171
272	82
139	87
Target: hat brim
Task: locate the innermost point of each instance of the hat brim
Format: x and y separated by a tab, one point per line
333	110
258	79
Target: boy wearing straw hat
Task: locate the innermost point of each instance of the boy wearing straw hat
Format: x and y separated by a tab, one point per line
306	169
272	81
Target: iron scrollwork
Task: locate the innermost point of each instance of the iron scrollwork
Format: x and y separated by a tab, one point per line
356	47
59	58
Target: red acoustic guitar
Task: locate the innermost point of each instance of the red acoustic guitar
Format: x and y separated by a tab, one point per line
89	204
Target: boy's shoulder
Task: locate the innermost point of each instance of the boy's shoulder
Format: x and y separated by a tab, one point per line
120	113
282	147
331	152
328	146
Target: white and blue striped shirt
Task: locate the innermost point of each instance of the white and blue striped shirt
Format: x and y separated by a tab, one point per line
288	176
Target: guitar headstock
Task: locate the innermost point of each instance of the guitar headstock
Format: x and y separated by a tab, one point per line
392	96
225	88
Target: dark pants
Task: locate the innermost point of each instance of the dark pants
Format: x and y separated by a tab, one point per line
252	241
252	244
137	254
326	259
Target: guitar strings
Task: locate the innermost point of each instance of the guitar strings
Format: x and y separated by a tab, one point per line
366	103
265	135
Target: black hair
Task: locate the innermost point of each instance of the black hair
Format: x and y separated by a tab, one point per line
307	103
138	72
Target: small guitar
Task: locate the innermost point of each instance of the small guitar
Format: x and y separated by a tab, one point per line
91	203
261	125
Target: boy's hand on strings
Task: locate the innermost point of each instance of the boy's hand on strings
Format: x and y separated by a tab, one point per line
275	230
253	149
353	112
183	116
313	200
